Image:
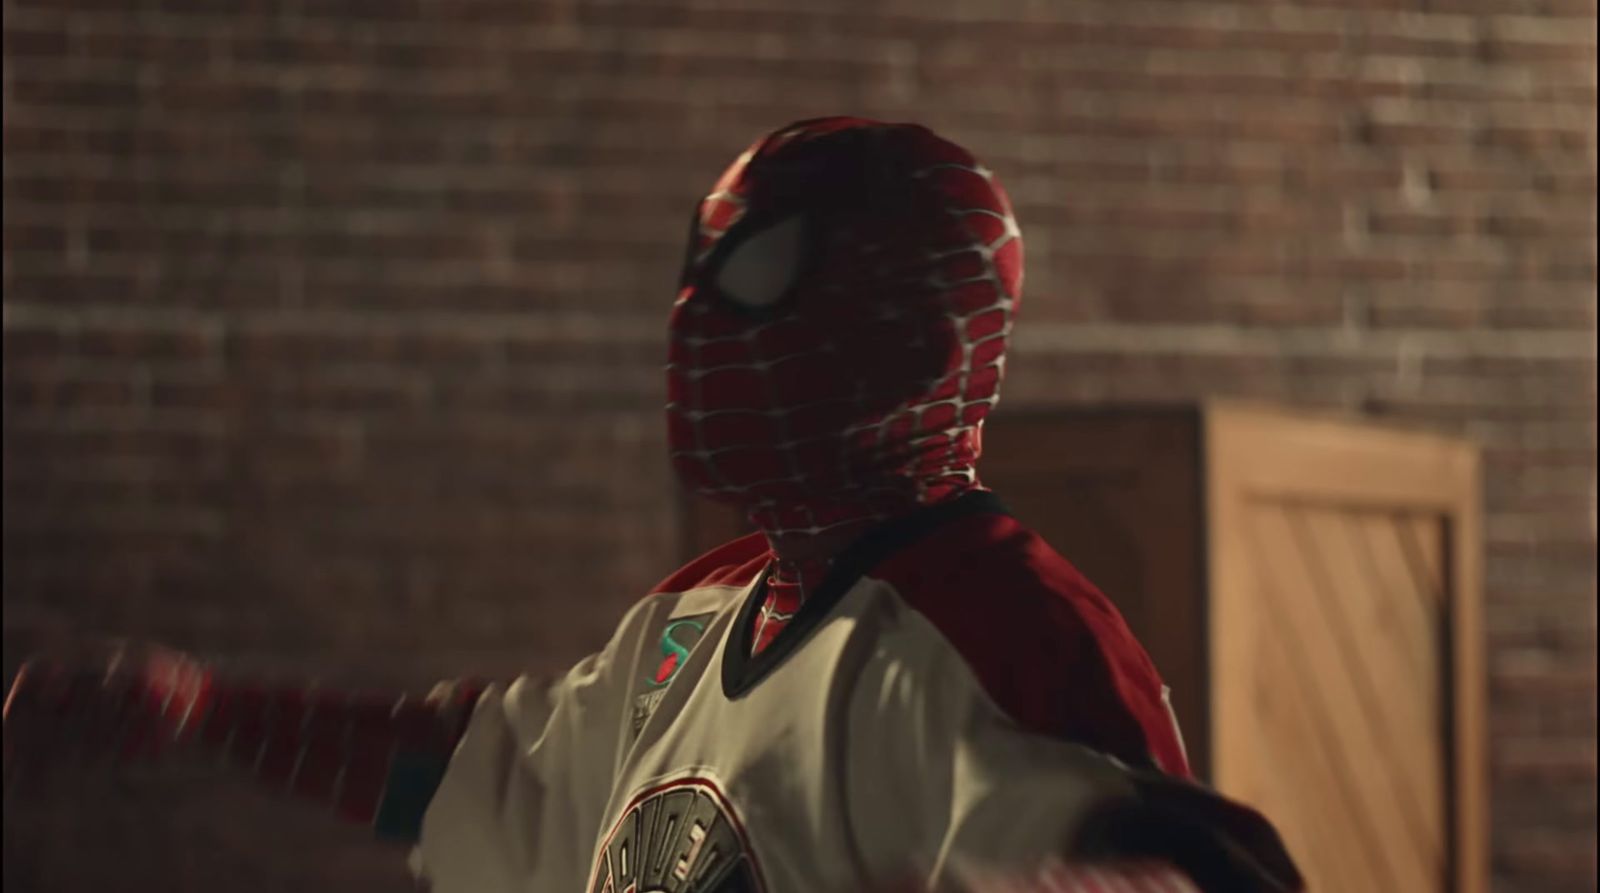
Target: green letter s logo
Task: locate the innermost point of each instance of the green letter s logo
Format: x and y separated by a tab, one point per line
673	652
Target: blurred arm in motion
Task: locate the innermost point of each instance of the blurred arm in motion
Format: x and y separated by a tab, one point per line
373	758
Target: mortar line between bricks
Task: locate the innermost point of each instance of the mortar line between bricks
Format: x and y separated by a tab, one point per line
1507	86
584	327
1137	338
1130	338
1209	16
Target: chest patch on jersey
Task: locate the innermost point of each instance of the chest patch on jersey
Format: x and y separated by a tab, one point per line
678	639
680	837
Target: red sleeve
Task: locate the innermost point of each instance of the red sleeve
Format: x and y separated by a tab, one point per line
1044	643
374	758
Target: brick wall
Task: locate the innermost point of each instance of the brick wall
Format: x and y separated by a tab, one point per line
333	329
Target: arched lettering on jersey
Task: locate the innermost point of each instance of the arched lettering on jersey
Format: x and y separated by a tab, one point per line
680	837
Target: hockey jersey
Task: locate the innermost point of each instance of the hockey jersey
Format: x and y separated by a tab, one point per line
952	701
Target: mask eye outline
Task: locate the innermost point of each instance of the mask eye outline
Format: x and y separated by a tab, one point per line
707	275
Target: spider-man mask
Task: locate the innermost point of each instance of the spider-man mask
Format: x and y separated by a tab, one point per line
841	325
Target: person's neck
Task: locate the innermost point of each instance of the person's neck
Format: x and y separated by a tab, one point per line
802	550
804	557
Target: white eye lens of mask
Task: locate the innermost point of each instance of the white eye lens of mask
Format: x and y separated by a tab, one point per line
759	271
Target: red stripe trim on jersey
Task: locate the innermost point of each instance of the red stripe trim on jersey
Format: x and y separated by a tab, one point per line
734	563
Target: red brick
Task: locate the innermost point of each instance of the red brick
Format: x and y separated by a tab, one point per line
194	342
1409	34
40	90
1482	304
44	42
25	343
1537	226
1433	221
1556	10
1411	125
1549	856
1568	139
47	238
1503	47
46	391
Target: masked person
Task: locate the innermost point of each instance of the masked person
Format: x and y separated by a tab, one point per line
892	684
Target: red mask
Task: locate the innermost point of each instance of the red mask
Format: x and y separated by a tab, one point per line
841	325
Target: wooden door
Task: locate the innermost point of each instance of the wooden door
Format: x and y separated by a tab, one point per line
1336	638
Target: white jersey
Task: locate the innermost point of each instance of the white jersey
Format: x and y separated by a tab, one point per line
924	717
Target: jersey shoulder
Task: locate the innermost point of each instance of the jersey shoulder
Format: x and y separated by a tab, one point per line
1046	646
735	563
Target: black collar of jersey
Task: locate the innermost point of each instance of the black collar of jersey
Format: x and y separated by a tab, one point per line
741	670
